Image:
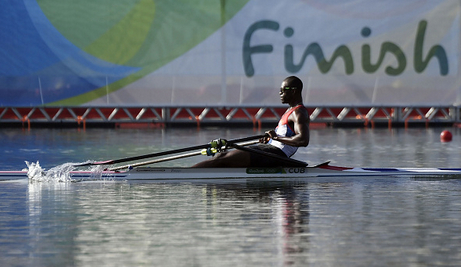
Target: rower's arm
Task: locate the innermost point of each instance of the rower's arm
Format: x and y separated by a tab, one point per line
300	119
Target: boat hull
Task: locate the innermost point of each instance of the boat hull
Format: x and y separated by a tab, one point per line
229	175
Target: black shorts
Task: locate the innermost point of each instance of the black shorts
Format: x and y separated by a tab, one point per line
257	160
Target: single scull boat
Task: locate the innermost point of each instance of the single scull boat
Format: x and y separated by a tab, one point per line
230	175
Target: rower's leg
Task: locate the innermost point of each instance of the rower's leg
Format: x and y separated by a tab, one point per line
231	159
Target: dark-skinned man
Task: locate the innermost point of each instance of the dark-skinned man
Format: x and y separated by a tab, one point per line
292	132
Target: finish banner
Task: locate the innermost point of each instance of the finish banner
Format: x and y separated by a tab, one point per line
228	52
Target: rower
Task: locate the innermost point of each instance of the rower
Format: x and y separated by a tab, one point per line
292	132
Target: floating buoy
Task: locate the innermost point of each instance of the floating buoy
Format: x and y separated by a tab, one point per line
446	136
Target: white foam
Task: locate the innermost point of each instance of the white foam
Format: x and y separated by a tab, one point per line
60	173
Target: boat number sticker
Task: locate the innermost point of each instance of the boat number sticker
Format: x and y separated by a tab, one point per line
296	170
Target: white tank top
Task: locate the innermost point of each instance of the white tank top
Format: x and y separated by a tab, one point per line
284	130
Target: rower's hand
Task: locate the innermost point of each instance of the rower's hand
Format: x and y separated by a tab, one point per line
268	136
264	139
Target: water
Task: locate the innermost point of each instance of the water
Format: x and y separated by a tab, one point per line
358	222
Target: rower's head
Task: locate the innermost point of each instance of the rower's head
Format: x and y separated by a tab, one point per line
291	89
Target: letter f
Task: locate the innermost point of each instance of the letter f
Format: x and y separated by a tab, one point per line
249	50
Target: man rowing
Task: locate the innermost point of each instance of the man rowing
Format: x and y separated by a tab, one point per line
283	142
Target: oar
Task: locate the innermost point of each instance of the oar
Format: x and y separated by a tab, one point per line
185	155
164	153
289	161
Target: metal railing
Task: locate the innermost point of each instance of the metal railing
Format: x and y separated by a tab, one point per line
201	115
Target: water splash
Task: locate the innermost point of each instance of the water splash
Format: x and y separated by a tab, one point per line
60	173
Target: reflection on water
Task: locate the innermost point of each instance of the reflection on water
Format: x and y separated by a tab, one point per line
358	222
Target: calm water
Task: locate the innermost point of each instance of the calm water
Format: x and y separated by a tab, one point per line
358	222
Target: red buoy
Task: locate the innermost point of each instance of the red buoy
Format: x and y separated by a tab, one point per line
446	136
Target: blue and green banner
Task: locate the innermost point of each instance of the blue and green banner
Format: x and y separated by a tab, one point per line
228	52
